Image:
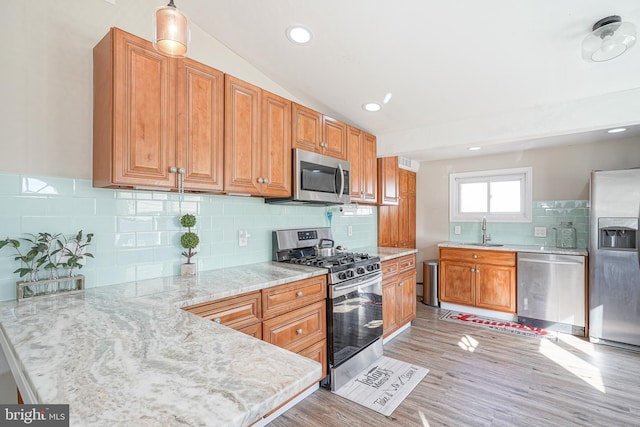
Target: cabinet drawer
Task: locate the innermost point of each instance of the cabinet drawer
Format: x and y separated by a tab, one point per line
284	298
317	352
390	268
298	329
479	256
254	330
236	312
406	263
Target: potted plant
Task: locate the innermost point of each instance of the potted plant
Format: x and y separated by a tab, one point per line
189	241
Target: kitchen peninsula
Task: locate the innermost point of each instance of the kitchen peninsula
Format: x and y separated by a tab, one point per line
127	354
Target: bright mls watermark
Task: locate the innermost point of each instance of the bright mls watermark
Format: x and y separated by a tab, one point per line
34	415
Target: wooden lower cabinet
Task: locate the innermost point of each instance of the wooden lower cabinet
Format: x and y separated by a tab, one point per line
292	316
241	312
479	278
398	293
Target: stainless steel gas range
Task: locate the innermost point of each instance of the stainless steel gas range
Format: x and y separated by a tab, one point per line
354	302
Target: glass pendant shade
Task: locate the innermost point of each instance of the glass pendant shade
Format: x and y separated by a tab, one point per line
610	38
171	34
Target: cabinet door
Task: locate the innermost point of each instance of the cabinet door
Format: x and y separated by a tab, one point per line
457	282
242	154
389	303
297	329
406	296
334	140
370	169
355	148
200	125
143	114
496	287
388	180
407	209
276	145
388	226
306	128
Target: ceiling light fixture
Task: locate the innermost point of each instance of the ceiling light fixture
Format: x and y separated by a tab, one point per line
299	34
171	33
610	38
473	148
371	107
616	130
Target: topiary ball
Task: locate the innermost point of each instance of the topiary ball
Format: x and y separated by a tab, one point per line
189	240
188	220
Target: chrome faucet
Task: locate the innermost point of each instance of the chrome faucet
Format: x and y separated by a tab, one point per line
485	237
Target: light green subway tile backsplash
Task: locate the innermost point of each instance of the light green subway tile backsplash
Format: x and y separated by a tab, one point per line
137	233
546	213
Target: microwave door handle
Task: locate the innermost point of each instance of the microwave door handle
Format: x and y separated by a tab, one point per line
341	181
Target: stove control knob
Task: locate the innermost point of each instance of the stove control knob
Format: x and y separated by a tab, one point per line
342	276
370	267
350	273
360	270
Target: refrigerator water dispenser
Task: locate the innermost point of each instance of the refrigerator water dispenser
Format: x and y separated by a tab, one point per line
618	234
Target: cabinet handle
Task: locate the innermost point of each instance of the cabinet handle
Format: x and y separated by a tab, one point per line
260	180
299	331
401	284
217	320
473	270
474	256
477	271
299	294
173	169
266	180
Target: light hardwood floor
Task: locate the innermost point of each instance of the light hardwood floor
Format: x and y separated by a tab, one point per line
507	380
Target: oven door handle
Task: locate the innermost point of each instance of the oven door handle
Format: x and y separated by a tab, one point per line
346	287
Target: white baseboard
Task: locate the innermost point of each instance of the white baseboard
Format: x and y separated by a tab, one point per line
479	311
396	333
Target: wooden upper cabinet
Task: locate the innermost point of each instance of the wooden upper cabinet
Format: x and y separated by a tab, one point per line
276	145
151	119
335	138
200	125
388	185
362	157
257	140
133	115
242	143
313	131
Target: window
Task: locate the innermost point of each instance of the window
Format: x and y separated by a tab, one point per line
500	195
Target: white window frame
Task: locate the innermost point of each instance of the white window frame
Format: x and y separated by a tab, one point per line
524	175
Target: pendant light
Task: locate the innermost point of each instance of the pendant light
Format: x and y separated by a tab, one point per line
609	39
171	34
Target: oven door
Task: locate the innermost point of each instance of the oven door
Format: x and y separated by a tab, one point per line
355	316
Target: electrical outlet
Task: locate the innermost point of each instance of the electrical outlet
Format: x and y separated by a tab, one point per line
457	229
540	231
243	237
349	230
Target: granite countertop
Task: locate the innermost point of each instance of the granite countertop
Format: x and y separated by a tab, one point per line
385	253
126	354
518	248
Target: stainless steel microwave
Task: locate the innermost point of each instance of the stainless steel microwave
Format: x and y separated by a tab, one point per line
318	180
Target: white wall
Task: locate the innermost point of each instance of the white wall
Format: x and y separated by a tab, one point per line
46	76
559	173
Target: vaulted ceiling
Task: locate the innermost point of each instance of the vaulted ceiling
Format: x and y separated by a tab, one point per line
500	74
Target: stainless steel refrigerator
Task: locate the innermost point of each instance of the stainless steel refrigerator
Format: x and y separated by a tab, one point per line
614	260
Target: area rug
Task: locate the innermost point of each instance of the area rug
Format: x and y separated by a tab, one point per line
497	325
383	385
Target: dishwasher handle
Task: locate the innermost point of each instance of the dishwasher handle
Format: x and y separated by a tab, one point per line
547	261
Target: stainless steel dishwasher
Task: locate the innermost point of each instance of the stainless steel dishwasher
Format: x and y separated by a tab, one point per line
551	291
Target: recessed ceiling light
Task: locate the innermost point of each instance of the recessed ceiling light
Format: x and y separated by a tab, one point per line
616	130
473	148
372	107
299	34
387	98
